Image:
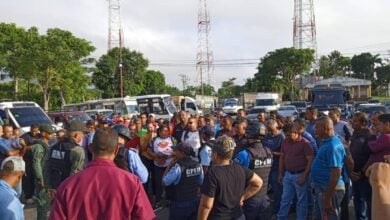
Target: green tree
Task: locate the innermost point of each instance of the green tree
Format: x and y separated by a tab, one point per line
229	89
383	74
172	90
284	64
153	82
334	65
107	77
363	65
59	54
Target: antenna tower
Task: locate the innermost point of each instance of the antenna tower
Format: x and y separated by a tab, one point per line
115	33
305	25
204	56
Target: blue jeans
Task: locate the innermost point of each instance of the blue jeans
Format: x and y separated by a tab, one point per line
276	187
186	210
291	188
256	208
319	212
361	190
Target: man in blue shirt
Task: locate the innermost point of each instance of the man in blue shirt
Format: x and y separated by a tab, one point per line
12	170
184	175
5	150
326	171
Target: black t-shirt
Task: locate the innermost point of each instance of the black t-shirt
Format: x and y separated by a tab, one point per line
226	184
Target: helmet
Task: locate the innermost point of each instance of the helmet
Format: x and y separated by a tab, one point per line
255	129
122	130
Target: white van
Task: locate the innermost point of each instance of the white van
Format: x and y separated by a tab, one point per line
23	115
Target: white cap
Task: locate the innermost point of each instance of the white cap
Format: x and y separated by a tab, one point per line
19	164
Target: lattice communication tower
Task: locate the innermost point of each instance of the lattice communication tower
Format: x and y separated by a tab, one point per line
115	33
304	25
204	56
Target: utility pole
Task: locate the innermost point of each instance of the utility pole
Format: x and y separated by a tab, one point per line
184	79
121	62
204	56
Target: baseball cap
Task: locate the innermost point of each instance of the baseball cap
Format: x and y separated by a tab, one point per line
224	145
19	164
185	148
77	125
47	128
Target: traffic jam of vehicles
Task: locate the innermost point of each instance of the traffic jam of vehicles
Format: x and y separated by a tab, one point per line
163	106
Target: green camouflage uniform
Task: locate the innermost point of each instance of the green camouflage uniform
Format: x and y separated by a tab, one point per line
40	152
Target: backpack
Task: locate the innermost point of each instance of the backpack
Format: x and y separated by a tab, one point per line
59	161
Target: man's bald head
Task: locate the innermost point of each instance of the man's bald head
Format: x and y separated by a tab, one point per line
324	127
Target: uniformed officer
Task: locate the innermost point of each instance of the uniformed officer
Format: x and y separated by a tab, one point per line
129	159
40	152
258	158
185	176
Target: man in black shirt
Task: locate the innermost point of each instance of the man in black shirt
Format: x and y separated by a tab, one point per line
227	184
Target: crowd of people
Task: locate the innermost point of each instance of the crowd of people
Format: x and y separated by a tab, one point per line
200	167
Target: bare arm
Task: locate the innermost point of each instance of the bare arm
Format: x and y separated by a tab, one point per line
205	206
254	185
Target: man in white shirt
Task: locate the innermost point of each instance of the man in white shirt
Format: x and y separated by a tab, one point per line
191	136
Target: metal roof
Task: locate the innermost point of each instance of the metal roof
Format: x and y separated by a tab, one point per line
345	81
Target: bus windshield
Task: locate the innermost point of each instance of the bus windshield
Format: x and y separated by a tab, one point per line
265	102
328	98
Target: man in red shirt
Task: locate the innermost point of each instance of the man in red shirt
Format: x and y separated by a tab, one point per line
102	191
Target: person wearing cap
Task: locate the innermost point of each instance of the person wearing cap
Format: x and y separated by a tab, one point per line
12	170
102	190
67	157
40	152
257	158
227	184
185	176
296	156
128	158
208	141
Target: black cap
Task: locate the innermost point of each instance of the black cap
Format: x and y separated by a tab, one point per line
185	148
47	128
76	125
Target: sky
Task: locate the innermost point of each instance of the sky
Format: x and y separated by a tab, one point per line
165	31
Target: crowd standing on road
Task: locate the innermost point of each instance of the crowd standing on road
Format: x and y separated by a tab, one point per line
200	167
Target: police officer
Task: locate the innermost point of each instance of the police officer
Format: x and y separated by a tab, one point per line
66	157
128	159
186	176
40	152
258	158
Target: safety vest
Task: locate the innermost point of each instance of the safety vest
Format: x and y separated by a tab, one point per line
187	188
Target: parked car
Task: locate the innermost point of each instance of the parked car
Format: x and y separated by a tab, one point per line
63	118
288	111
252	115
300	105
106	113
372	108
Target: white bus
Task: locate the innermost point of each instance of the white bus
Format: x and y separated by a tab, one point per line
160	105
124	106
